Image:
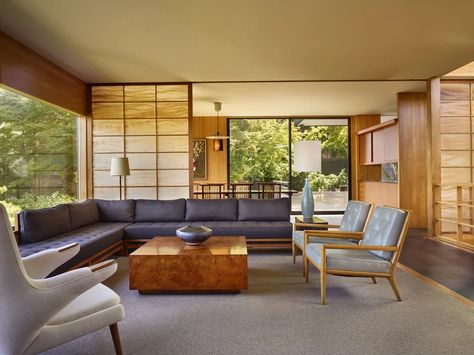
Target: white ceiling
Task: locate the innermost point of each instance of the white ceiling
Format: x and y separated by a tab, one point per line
250	40
301	99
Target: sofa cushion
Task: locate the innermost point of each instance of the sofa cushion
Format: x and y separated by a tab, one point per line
92	239
149	230
116	210
83	213
354	260
250	229
40	224
211	210
264	210
160	211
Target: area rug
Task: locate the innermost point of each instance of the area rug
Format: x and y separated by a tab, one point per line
281	314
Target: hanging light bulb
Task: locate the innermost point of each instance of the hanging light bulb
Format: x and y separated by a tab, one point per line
218	140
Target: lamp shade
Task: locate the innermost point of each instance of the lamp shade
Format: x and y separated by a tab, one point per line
119	167
308	156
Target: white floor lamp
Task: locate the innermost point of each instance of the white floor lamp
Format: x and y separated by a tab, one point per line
307	159
119	167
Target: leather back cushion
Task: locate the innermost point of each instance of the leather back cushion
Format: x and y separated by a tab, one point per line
355	216
384	229
40	224
211	210
83	213
116	210
264	210
160	211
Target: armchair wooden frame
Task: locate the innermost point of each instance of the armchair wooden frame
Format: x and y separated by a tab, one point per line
324	271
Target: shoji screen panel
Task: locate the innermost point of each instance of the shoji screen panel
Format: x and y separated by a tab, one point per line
149	124
456	143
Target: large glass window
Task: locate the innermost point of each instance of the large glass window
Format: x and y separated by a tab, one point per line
38	153
260	152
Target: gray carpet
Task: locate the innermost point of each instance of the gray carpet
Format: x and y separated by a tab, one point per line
280	314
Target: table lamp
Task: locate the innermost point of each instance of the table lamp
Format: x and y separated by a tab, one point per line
119	167
307	159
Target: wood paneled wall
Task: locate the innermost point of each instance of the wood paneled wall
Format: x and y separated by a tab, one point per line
216	161
24	70
150	125
413	155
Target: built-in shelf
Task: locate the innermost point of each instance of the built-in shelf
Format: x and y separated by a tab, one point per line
379	126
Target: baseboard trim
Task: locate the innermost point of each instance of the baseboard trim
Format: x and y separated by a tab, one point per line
436	285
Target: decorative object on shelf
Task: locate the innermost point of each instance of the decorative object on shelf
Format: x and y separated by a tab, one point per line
307	159
390	172
199	159
120	167
194	235
217	140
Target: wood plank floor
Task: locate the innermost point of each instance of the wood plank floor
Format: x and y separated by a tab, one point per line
451	267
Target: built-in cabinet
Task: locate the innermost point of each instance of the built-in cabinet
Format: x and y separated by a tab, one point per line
377	145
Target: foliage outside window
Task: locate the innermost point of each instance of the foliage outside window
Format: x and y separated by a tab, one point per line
259	152
38	154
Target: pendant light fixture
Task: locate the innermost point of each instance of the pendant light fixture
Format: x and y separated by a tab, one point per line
217	140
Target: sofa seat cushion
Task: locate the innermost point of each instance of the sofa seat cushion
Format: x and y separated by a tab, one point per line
92	239
41	224
148	230
249	229
354	260
298	238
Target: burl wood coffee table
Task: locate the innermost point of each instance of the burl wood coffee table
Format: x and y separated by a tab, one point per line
166	264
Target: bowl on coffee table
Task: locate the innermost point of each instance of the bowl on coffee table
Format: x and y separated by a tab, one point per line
194	235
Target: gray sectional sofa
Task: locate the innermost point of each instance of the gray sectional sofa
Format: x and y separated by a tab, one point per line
104	227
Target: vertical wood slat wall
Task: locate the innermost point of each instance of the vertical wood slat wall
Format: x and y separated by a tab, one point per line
456	145
149	124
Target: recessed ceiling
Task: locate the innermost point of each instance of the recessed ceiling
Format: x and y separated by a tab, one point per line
245	40
301	99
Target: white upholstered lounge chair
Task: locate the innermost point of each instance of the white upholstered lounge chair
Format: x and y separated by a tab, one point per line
39	313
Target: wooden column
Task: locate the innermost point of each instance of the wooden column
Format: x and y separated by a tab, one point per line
412	165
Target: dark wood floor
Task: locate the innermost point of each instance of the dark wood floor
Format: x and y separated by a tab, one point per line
451	267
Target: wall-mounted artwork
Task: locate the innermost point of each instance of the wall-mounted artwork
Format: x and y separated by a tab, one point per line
199	159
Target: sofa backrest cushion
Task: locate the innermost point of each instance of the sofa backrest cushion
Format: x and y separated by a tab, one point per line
264	210
83	213
40	224
116	210
384	229
211	210
160	211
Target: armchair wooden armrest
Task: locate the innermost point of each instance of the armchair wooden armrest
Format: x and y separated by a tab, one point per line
334	234
316	225
359	247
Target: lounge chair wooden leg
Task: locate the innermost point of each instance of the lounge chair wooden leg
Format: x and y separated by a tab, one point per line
323	286
394	287
306	269
116	338
293	250
374	280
